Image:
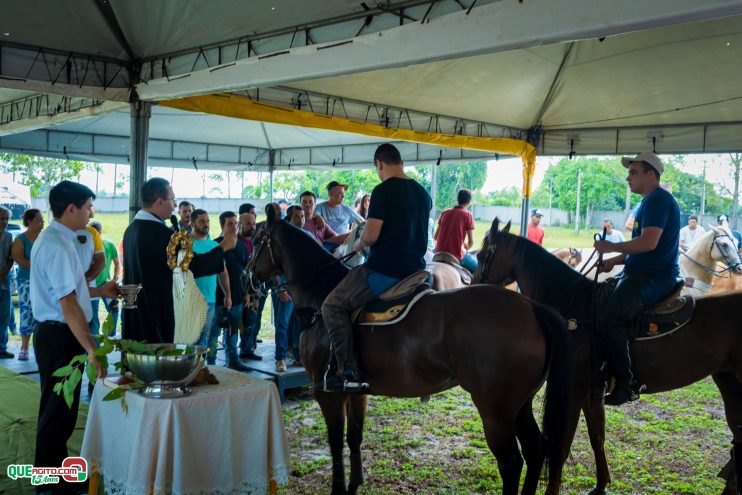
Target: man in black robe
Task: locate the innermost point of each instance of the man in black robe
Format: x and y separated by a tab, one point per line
145	262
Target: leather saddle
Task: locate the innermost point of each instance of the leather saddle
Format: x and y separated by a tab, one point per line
660	320
395	303
665	317
449	259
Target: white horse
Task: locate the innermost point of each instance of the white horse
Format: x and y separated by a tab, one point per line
445	276
698	266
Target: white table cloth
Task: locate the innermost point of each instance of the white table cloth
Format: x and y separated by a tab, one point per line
223	439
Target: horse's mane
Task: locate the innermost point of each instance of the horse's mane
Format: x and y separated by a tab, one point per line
315	267
545	277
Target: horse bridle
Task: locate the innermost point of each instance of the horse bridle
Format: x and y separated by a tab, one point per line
487	254
715	244
253	284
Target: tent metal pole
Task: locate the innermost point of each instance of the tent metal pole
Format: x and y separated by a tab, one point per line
524	217
529	167
140	112
271	167
434	190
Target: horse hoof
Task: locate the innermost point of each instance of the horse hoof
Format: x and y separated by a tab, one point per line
597	491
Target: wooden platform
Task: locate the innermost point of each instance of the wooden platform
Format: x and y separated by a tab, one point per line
293	377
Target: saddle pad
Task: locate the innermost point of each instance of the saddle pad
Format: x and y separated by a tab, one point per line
664	320
381	312
448	258
464	274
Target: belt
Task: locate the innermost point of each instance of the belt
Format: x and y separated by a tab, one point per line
54	324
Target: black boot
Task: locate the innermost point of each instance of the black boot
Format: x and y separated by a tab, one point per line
353	382
622	393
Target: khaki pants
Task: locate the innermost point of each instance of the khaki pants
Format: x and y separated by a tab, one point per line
352	292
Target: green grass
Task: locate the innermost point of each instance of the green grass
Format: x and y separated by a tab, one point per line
554	237
670	443
114	225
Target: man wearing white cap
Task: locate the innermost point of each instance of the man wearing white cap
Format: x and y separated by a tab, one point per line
651	267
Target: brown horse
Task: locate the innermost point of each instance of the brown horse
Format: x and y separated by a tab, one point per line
710	344
571	256
446	340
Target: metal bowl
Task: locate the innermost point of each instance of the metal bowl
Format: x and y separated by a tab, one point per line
167	370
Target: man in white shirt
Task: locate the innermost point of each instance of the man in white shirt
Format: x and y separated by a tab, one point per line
612	234
690	233
60	300
337	215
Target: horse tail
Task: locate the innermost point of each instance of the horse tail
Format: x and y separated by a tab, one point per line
558	390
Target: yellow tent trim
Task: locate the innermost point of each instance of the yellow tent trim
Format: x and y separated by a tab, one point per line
241	108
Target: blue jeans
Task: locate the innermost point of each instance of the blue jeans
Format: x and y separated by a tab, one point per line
281	315
11	319
4	318
230	340
249	332
469	262
205	338
108	302
95	322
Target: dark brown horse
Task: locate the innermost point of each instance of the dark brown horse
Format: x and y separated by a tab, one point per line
447	339
710	344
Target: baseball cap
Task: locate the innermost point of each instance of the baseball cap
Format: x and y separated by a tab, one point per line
721	218
536	213
336	183
647	157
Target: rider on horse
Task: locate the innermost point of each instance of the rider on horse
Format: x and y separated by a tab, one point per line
397	232
651	267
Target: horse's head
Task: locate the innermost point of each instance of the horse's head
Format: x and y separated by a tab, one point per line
724	249
495	260
263	263
575	257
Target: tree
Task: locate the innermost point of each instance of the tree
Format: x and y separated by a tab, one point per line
97	168
736	160
687	189
504	197
40	173
603	185
450	178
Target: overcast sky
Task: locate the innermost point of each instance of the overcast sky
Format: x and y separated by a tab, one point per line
501	174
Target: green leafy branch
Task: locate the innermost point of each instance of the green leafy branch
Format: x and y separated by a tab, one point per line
71	375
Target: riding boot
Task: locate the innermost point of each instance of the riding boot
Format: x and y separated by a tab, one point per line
625	389
620	309
352	292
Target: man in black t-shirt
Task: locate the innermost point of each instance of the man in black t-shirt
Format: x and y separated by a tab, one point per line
234	261
397	233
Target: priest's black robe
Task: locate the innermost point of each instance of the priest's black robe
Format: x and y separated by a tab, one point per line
145	262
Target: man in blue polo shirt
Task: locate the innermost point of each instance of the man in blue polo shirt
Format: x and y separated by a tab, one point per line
651	267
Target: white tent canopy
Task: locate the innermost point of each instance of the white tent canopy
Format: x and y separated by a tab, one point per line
569	76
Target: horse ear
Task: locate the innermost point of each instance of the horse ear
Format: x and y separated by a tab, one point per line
495	225
506	229
270	213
